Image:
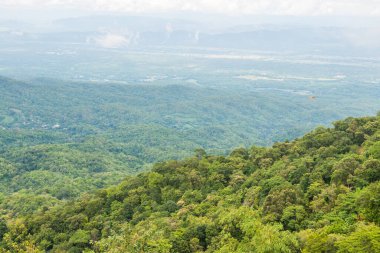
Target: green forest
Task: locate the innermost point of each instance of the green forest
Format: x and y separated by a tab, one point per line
317	193
205	126
61	138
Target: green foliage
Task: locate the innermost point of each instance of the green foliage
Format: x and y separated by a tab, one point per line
366	238
319	193
374	151
369	202
59	138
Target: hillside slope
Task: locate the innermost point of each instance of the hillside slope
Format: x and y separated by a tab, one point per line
60	138
319	193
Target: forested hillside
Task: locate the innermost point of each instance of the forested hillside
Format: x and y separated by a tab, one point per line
60	138
318	193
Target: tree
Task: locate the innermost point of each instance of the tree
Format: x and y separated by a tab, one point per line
293	217
369	203
279	199
366	238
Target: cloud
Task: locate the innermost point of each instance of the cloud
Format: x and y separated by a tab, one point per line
233	7
111	40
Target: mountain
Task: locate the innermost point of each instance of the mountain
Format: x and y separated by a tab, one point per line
124	32
63	138
318	193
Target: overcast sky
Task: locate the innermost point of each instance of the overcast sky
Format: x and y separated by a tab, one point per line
231	7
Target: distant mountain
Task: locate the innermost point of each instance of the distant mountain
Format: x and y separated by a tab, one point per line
135	31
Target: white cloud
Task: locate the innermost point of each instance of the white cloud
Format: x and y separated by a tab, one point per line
111	40
261	7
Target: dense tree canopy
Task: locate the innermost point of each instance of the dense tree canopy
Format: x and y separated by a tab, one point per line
319	193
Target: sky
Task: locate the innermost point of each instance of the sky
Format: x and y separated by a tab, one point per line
367	8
